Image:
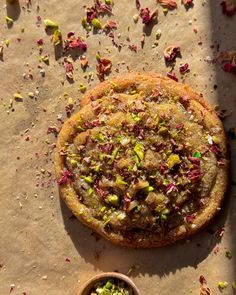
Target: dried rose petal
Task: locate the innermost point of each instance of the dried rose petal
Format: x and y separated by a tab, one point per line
90	14
228	7
101	193
103	67
69	68
66	176
228	59
172	76
133	47
163	169
146	15
202	280
184	68
53	129
194	175
171	188
127	202
187	2
40	42
190	218
170	53
179	126
102	7
73	42
78	43
215	150
169	3
229	68
195	161
106	148
111	24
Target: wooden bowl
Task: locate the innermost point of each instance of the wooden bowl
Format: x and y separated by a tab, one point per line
87	287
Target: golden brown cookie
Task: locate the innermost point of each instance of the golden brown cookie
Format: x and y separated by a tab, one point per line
144	162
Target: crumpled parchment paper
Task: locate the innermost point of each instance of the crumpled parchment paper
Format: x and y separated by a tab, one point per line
43	249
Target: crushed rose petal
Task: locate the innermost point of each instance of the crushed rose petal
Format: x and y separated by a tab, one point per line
73	42
110	25
69	68
53	129
133	47
169	3
179	126
170	53
91	14
172	76
187	2
147	16
171	188
190	218
102	7
228	59
195	161
66	176
184	68
229	68
103	67
215	150
40	42
194	175
202	280
101	193
228	7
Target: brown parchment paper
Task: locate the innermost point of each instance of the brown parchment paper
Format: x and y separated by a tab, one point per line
43	249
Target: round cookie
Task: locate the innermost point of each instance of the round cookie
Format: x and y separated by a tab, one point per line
144	162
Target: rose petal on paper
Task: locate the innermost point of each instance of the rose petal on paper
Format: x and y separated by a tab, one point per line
172	4
170	53
147	16
187	2
228	7
103	67
184	68
133	47
172	76
73	42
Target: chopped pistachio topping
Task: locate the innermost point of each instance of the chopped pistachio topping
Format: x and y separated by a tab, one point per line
135	162
139	151
113	200
50	24
96	23
88	179
173	160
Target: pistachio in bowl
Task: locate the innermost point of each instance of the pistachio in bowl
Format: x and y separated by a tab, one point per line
109	284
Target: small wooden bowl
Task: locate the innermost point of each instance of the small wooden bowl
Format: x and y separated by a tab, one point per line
87	287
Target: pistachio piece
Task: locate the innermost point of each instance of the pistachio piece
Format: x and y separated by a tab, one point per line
173	160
